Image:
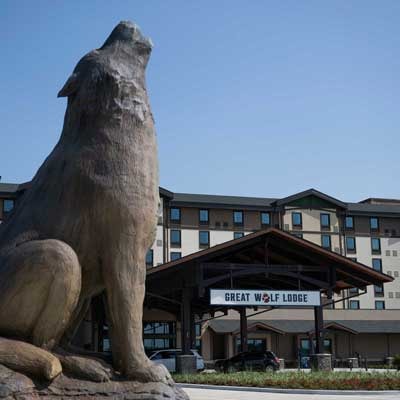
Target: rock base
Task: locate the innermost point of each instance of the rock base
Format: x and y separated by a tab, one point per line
16	386
321	362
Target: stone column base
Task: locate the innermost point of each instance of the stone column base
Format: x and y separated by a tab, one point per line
321	362
186	364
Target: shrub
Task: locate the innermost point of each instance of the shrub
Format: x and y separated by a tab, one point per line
300	380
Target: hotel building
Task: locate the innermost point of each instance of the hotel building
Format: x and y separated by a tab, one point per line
365	323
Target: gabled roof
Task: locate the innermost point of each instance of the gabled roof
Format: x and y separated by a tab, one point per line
166	193
260	326
282	245
334	325
311	192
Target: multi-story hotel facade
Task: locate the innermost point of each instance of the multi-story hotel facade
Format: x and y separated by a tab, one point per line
367	232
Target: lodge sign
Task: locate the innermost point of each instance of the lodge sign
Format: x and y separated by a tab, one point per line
242	297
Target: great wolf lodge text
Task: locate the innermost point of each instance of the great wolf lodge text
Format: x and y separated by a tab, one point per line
239	297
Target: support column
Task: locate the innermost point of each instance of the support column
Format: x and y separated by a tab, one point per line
192	331
319	326
186	363
320	361
185	320
243	329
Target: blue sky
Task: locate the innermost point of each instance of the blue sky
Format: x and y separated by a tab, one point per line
255	98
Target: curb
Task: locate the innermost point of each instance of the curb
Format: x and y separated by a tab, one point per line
291	391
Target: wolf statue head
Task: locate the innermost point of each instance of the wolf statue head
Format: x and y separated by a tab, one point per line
103	81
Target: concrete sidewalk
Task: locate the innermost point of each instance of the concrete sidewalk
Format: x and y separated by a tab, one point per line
209	392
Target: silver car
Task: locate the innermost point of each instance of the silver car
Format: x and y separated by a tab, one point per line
168	358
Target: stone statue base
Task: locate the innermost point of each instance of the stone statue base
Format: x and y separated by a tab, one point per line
16	386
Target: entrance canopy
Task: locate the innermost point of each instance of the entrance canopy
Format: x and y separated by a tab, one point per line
268	259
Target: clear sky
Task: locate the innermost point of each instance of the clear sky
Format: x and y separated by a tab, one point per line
254	98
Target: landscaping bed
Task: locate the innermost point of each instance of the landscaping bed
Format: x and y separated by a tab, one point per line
300	380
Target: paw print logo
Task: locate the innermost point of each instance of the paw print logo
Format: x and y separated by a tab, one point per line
265	298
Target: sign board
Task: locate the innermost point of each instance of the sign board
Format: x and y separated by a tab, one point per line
243	297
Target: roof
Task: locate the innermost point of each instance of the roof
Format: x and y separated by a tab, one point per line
8	188
368	209
166	193
380	200
302	326
224	201
377	206
348	268
311	192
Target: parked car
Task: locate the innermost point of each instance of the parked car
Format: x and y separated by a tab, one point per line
249	361
168	358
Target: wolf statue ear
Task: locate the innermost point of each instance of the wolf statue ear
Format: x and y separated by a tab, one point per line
70	87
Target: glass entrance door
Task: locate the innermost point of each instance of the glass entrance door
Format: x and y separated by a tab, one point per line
305	350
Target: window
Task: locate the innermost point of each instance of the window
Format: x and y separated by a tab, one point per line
351	244
149	258
307	348
265	218
8	205
175	255
353	290
175	237
374	223
238	217
349	223
377	264
175	215
354	304
376	245
378	291
298	234
159	335
254	345
326	241
238	235
203	217
197	330
379	305
325	220
297	220
353	259
204	238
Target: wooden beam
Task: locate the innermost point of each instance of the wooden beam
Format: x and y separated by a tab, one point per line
269	268
304	278
354	278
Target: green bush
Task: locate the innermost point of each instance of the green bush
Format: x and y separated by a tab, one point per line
300	380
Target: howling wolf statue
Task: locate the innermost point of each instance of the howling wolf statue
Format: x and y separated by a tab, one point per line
87	220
